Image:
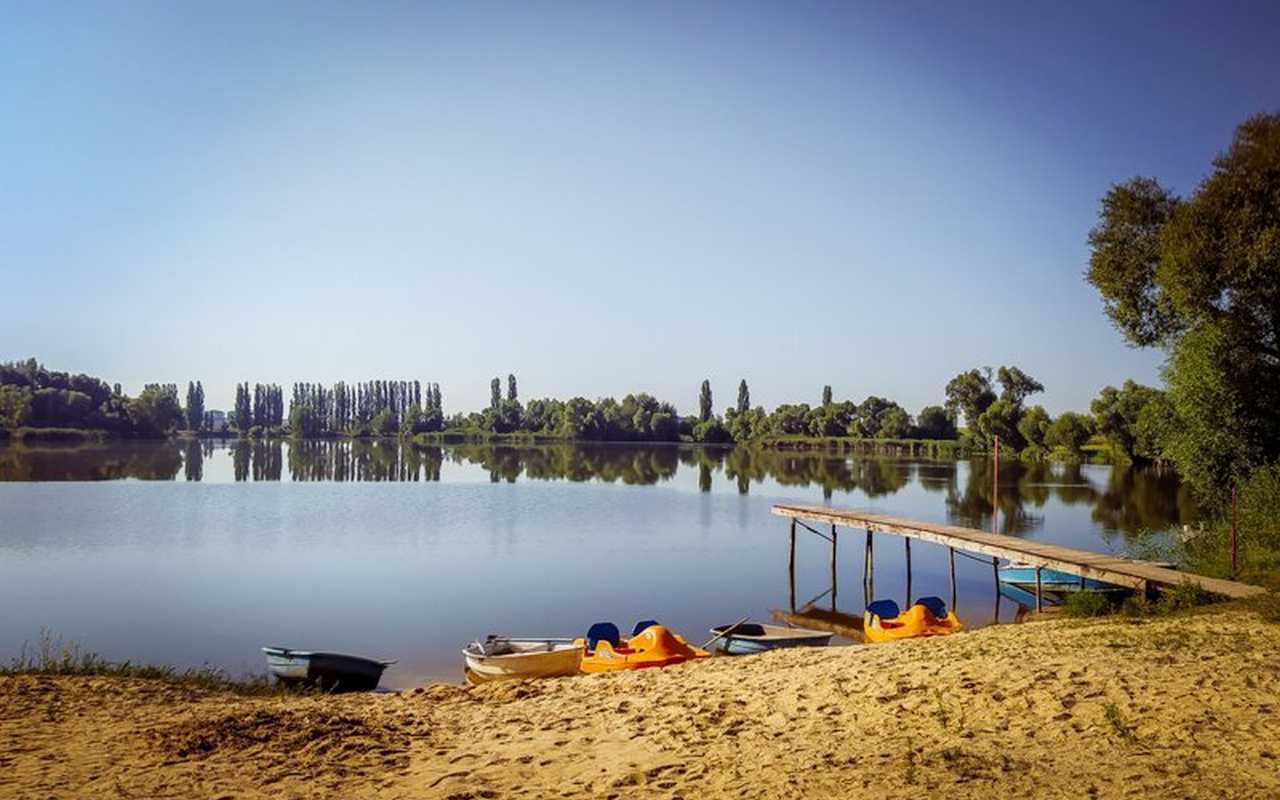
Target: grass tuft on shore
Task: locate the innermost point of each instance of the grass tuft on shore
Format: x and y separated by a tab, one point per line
52	656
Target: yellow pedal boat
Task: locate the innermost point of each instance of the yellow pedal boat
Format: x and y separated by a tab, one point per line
883	622
650	645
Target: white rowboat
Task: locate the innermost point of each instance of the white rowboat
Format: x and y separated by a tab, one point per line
498	658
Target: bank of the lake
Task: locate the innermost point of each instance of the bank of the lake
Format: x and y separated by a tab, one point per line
1181	706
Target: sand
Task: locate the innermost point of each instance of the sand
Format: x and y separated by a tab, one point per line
1176	707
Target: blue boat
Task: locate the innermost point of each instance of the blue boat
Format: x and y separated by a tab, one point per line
753	637
1051	580
332	672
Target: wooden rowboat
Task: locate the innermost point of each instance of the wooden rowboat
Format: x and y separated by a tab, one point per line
332	672
752	637
500	658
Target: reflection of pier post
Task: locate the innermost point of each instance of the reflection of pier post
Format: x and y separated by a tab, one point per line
907	603
995	570
791	566
868	574
833	567
951	551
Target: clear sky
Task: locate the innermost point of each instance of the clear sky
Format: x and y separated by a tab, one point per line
602	198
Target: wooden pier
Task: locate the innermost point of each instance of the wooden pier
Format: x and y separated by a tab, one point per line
1142	576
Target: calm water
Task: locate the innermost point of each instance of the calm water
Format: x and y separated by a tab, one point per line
195	553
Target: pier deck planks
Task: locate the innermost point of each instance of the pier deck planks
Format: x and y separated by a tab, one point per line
1112	569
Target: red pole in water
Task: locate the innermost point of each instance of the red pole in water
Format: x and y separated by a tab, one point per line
1234	541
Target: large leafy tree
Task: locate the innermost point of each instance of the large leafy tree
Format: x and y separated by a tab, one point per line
969	394
1116	412
1200	278
933	422
744	397
1017	385
157	410
704	402
1070	431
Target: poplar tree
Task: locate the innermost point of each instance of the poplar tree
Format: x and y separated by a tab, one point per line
511	388
744	396
826	395
704	402
495	394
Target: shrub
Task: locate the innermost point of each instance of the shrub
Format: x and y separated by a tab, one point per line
1183	596
1136	605
1086	604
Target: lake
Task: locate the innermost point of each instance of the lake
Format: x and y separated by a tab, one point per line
193	553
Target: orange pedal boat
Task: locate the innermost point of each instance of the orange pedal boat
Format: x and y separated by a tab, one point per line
650	645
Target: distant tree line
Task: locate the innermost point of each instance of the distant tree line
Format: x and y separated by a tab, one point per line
371	408
35	397
990	403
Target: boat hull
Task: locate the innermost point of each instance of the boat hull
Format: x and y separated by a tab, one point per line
769	637
331	672
1051	580
554	663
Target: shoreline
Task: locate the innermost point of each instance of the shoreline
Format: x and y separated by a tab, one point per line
1186	705
942	450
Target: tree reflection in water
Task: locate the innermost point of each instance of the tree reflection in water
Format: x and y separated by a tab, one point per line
1122	500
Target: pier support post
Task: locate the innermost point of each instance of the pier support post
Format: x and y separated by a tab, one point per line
951	551
869	570
907	604
833	567
791	566
995	572
1039	604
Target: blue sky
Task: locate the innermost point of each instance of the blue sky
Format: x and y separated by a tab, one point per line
601	198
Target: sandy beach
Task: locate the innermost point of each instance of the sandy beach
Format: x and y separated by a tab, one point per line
1187	706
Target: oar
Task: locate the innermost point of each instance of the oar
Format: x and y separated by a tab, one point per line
725	632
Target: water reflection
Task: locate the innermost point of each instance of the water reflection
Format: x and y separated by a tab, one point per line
1119	499
149	461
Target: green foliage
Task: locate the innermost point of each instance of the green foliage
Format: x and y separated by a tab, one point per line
969	394
1070	431
156	410
711	431
789	420
1200	277
195	406
1017	385
826	395
831	419
895	423
1034	426
1001	419
1184	596
934	422
1085	604
1126	258
52	657
1136	605
384	424
1257	525
15	406
704	402
243	412
1117	413
1221	432
744	397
